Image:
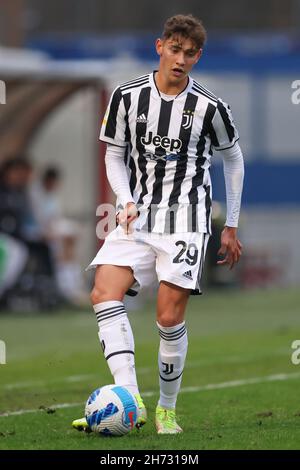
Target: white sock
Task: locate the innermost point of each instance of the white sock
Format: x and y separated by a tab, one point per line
117	342
171	359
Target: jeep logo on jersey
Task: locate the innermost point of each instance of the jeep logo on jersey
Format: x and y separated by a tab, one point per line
164	142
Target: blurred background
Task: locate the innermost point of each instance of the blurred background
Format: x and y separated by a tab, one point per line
60	60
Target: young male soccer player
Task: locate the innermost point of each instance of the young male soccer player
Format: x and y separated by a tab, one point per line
161	130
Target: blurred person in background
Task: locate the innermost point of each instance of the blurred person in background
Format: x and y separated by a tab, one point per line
13	206
13	258
165	125
62	235
14	202
19	228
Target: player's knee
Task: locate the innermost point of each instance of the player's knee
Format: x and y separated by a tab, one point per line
169	317
166	321
95	296
103	294
171	312
98	295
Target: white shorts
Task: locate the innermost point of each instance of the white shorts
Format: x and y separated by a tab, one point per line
177	258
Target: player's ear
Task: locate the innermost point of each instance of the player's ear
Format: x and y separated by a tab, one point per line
199	54
159	46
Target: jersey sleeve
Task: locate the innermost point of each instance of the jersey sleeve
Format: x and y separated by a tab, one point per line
223	132
113	129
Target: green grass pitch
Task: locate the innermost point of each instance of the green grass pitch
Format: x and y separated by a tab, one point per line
240	389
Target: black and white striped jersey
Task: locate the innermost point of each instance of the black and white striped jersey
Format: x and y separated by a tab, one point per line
169	144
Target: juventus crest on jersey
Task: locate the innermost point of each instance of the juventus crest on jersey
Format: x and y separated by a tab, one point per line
169	143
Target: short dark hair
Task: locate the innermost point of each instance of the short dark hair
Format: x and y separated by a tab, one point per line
51	173
187	26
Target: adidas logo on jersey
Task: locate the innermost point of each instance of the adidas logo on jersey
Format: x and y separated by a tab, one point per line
142	119
188	275
164	142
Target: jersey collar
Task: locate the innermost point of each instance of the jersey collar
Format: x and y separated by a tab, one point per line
155	90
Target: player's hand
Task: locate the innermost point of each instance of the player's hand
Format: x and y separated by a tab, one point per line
231	247
126	216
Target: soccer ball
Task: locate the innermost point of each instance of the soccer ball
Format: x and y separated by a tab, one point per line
111	410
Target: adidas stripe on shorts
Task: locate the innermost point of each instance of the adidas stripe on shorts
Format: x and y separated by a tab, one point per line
177	258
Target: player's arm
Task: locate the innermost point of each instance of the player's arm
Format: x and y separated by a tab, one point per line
113	132
233	162
118	179
225	140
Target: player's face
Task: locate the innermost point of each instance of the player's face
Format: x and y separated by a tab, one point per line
177	57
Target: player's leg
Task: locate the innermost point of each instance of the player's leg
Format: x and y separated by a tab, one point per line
115	334
179	264
171	305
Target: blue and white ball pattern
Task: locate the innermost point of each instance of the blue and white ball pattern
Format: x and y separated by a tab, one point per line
111	410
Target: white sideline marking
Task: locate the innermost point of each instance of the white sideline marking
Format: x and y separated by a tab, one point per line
40	383
229	384
139	370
